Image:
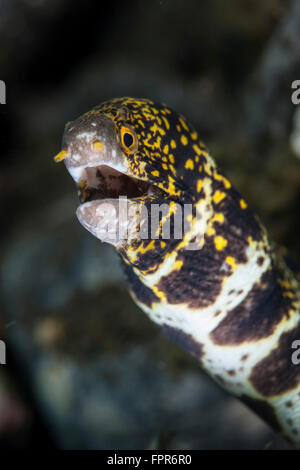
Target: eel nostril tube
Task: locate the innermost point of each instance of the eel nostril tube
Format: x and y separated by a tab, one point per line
60	156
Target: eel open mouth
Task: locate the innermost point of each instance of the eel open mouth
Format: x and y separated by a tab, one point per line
104	182
102	210
111	201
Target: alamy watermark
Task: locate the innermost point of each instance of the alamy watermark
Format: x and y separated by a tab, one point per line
295	97
165	221
296	354
2	352
2	92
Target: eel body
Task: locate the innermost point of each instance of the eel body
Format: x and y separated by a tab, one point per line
220	289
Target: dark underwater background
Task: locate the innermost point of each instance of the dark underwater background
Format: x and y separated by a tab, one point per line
85	368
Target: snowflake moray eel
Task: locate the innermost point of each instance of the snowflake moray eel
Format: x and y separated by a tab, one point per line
233	301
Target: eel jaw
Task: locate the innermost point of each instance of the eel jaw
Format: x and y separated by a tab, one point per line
107	196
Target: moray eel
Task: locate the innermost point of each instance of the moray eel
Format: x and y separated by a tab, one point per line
220	289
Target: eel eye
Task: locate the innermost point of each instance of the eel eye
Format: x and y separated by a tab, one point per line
128	139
